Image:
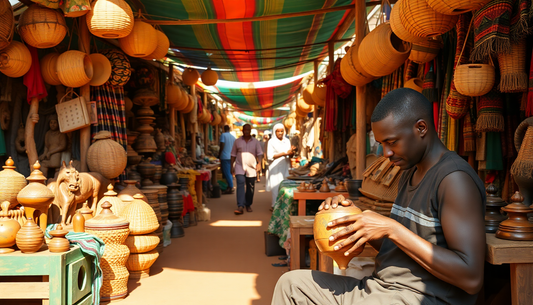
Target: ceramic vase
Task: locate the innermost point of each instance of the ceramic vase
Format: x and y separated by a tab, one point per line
30	238
58	243
8	230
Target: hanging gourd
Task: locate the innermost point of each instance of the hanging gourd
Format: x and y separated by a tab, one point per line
190	76
209	77
120	67
110	19
423	21
190	104
173	93
303	106
415	84
142	40
319	94
397	26
308	94
183	101
106	156
42	27
425	51
49	69
7	24
161	48
456	7
15	59
352	71
74	68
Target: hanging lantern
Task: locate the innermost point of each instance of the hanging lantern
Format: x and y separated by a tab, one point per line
141	42
308	94
161	48
42	27
7	24
190	76
456	7
425	51
209	77
110	19
423	21
121	68
49	69
15	59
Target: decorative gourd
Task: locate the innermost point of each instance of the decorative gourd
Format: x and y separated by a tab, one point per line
30	237
161	48
190	76
49	69
425	51
15	60
173	94
352	71
141	42
319	94
308	94
415	84
209	77
303	106
120	65
110	19
8	230
190	104
42	27
106	156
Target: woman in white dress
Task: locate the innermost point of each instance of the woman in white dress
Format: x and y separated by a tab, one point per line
279	151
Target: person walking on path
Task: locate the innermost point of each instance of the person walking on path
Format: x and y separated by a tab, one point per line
246	156
226	144
279	153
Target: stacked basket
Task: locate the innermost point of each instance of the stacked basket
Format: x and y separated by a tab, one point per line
162	207
141	242
175	209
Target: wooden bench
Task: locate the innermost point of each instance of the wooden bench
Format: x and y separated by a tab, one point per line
302	198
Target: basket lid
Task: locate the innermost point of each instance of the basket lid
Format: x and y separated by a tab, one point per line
107	220
110	191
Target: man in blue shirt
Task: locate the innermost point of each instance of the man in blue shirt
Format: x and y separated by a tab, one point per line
226	144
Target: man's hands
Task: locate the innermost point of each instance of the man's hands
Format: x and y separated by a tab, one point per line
333	202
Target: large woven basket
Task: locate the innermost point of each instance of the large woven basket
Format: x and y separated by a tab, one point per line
117	205
397	26
352	71
142	243
381	52
425	51
456	7
380	180
319	94
303	106
4	6
42	27
7	24
110	19
49	69
474	79
183	101
423	21
106	156
308	94
513	73
15	59
141	216
190	104
141	42
415	84
141	261
74	69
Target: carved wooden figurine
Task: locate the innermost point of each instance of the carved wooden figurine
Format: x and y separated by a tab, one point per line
55	143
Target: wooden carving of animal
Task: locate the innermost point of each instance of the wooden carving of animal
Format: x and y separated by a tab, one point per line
73	188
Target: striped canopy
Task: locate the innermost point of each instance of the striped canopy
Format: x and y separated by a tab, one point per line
257	120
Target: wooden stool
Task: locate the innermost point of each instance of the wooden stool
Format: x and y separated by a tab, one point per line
299	227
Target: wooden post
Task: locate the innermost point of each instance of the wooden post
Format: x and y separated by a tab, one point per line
85	92
195	125
360	106
315	112
206	127
33	117
331	140
171	109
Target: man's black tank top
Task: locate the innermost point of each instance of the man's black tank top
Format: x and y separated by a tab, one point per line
418	208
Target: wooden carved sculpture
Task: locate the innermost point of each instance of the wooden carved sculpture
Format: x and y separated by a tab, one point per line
73	188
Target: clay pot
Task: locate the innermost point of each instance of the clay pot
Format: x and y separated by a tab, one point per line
352	186
78	223
126	195
30	237
147	170
169	176
59	243
8	230
340	187
324	188
322	234
11	182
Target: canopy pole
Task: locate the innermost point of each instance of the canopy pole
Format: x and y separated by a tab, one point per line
360	98
206	128
84	45
331	139
195	125
171	109
315	112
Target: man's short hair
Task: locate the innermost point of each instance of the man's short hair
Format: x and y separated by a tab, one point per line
405	105
226	127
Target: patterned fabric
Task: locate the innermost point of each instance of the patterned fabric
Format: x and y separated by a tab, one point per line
529	105
284	207
111	112
392	81
411	70
520	19
492	25
490	112
469	136
121	72
75	8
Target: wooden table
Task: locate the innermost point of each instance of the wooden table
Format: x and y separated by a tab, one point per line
519	254
302	197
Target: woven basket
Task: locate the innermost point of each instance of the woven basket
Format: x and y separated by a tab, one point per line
397	26
380	180
120	67
425	51
142	217
117	205
72	115
141	42
456	7
415	84
352	71
74	69
161	48
142	243
11	183
308	94
7	25
42	27
523	141
173	93
110	19
4	6
209	77
183	101
190	76
513	68
141	261
15	59
190	104
49	69
474	79
300	113
319	94
303	106
381	52
422	21
106	156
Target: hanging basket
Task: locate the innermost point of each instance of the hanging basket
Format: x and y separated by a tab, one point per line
523	141
49	69
142	40
190	76
513	68
425	51
190	104
308	94
161	48
106	156
7	25
101	69
303	106
457	105
183	101
209	77
110	19
422	21
173	94
319	94
474	79
42	27
15	59
72	115
398	28
120	67
456	7
415	84
352	71
74	69
5	5
382	52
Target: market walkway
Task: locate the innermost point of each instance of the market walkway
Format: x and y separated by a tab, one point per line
218	262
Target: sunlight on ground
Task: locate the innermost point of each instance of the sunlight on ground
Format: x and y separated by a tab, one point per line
237	223
262	191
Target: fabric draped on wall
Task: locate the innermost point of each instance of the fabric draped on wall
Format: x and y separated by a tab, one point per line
111	112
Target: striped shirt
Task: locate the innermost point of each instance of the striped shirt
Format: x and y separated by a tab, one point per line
245	154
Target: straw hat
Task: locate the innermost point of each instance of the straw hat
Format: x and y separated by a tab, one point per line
101	69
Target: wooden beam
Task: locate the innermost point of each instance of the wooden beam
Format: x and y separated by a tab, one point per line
341	30
171	109
250	19
331	138
360	100
195	125
84	45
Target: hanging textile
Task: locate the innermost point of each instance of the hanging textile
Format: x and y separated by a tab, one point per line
392	81
494	152
492	29
111	112
411	70
520	19
469	136
490	112
446	121
336	86
529	104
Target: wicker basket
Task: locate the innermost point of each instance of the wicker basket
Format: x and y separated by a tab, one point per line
351	70
15	59
141	42
141	216
319	94
474	79
380	180
183	100
42	27
106	156
190	76
209	77
11	183
120	65
7	25
4	6
513	68
173	93
308	94
74	69
72	115
397	26
425	51
142	243
381	52
456	7
190	104
303	106
415	84
110	19
117	205
49	69
422	21
139	264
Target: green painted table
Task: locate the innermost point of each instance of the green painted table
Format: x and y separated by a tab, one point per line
66	277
